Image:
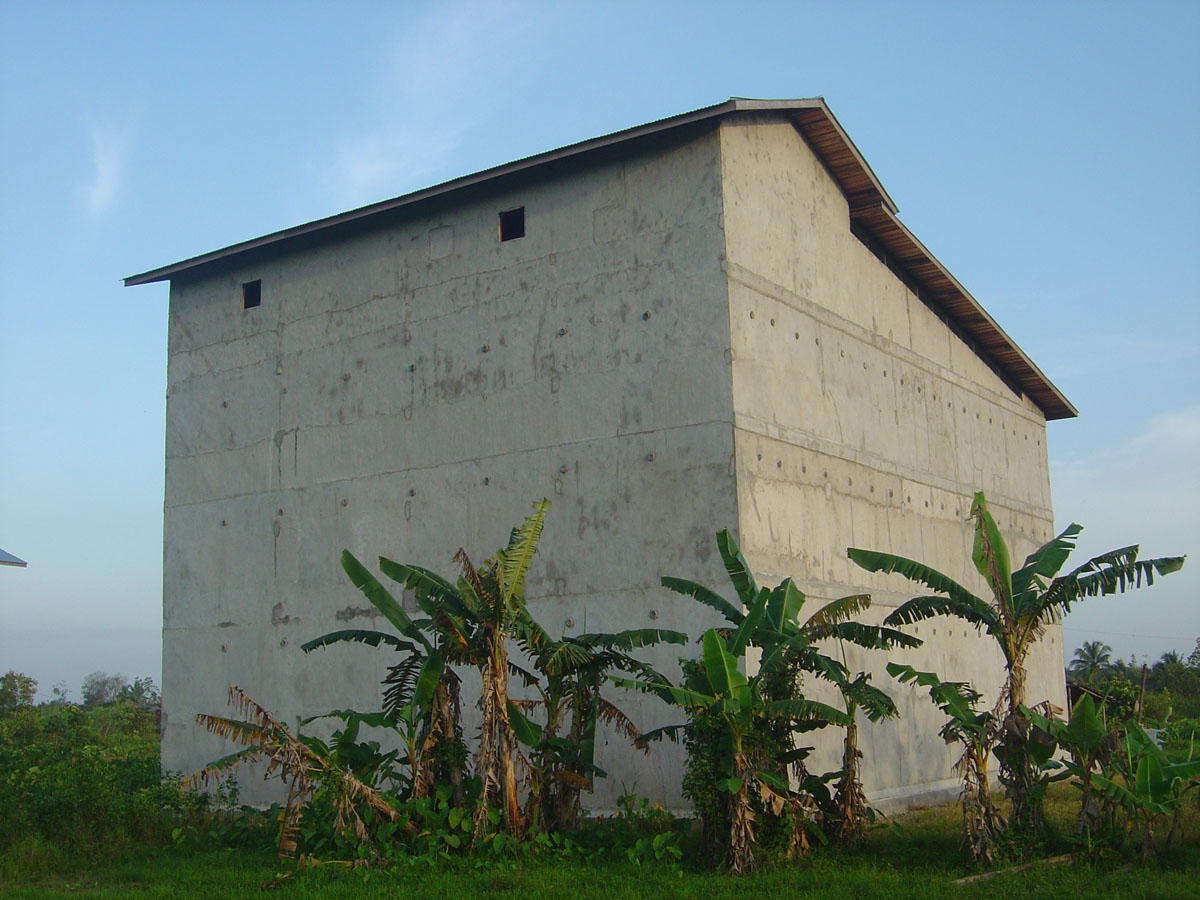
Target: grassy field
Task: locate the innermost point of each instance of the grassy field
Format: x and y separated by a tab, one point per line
919	859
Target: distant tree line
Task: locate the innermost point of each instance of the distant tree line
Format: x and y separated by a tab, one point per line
1160	691
18	691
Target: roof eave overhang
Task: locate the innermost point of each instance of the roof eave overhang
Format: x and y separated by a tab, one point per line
943	290
870	206
7	559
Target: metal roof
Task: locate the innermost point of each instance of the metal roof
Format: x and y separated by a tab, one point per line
7	559
870	208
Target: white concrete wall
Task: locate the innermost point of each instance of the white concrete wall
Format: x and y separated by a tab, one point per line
861	420
357	408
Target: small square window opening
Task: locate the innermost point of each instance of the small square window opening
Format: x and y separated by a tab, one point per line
512	224
251	294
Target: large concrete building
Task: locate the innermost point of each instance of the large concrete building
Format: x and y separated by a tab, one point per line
715	320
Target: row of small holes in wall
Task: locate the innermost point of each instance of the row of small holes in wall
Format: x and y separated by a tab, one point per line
871	489
949	633
412	367
850	483
949	404
651	457
512	226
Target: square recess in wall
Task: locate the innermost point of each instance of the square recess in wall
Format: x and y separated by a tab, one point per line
512	224
252	294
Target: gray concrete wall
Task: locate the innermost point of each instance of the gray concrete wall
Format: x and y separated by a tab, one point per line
358	408
861	420
685	340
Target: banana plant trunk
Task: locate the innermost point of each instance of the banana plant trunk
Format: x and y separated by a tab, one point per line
447	709
561	802
741	819
849	797
1018	770
1089	809
982	822
540	803
495	766
429	754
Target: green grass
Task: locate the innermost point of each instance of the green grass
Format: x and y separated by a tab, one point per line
920	859
238	874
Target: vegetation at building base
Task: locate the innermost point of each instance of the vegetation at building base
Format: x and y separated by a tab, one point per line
982	824
1126	781
427	795
912	856
364	808
1023	603
741	732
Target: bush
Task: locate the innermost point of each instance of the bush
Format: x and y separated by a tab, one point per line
85	782
1181	730
1121	700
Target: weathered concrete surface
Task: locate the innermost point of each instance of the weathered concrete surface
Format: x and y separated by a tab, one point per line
861	420
686	339
412	392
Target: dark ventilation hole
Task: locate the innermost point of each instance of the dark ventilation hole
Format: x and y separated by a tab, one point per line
512	224
251	294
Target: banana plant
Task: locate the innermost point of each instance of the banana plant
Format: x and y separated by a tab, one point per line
746	710
477	615
421	697
1023	603
469	623
975	730
571	706
782	618
1088	741
852	815
304	764
366	760
1148	785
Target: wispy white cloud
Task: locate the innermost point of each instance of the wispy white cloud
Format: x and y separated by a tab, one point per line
110	149
442	78
1174	432
1144	489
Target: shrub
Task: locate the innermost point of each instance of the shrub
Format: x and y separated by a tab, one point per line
85	782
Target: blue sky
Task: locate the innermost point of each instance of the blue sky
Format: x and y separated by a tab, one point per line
1046	153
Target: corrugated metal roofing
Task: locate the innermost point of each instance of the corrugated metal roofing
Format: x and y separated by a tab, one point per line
870	208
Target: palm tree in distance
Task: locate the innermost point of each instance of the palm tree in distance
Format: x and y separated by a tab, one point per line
1170	658
1091	660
